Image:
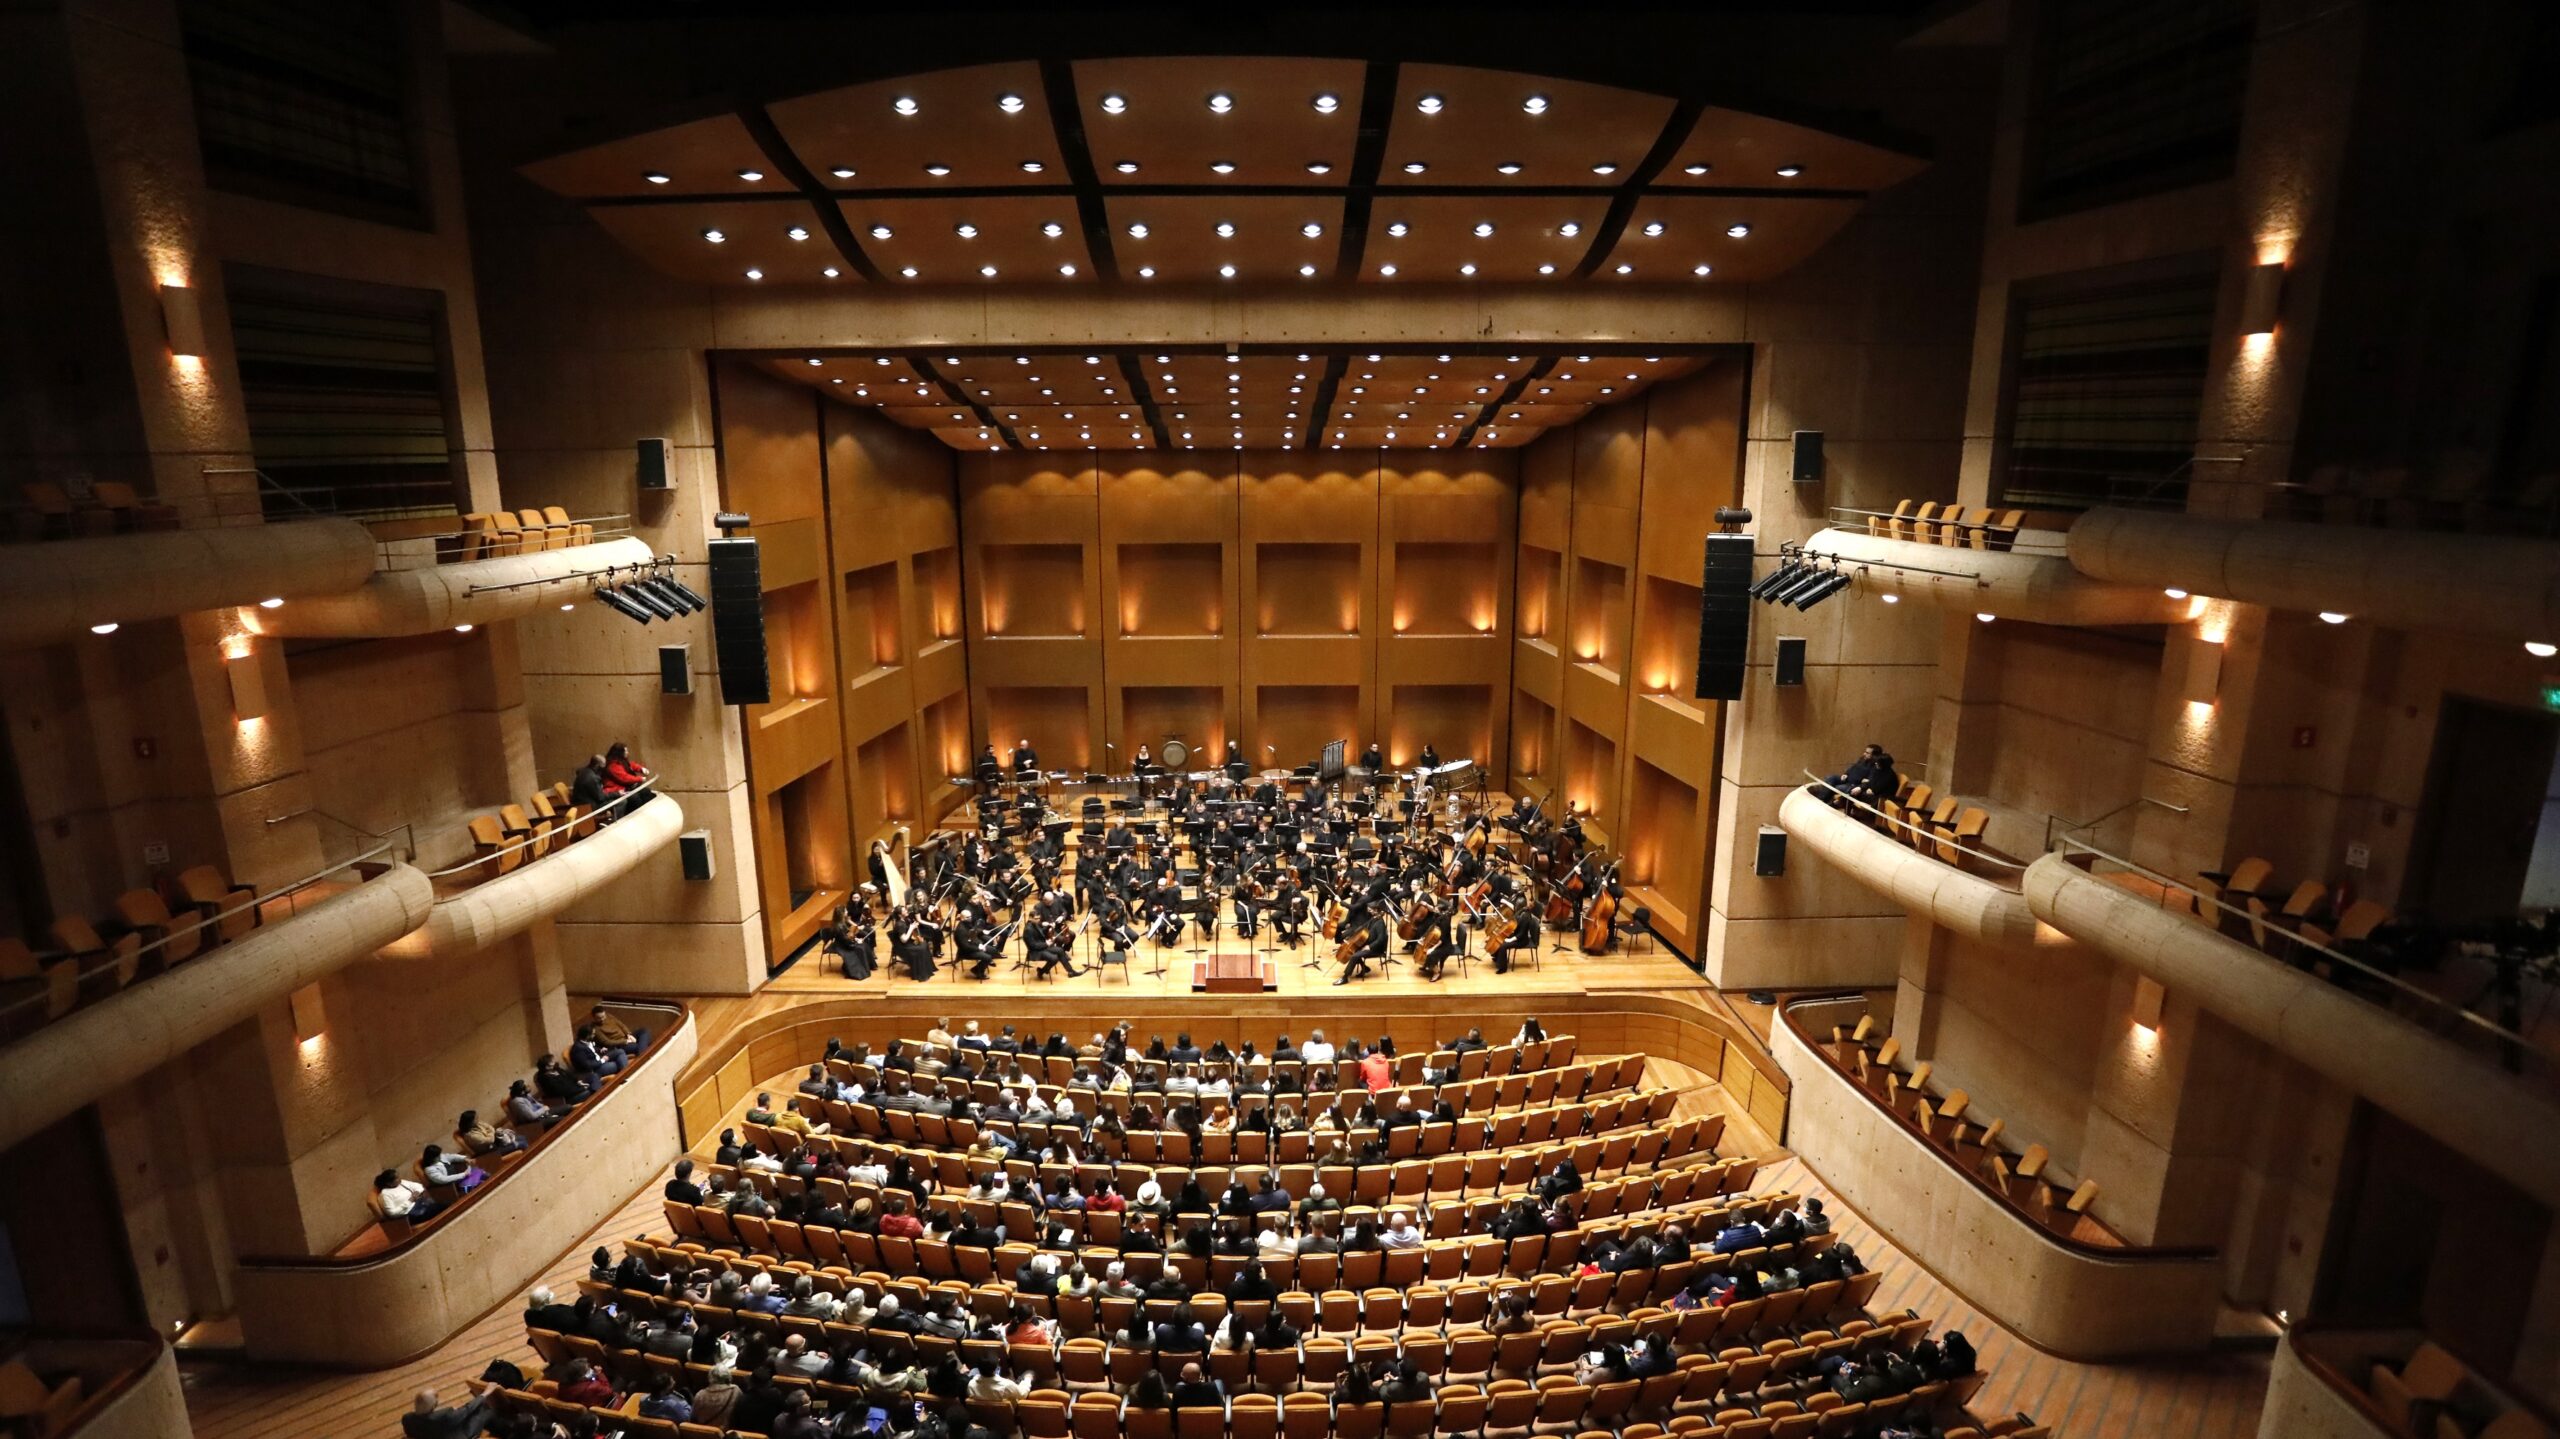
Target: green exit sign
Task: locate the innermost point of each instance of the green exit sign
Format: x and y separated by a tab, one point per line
2551	694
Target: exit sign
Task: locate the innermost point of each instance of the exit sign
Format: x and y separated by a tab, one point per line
2551	694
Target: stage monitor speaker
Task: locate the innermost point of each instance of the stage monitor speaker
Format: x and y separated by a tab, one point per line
694	846
1791	659
675	669
1808	457
1724	617
737	620
1771	861
657	464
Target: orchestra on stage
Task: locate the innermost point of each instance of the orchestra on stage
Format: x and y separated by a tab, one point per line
1358	868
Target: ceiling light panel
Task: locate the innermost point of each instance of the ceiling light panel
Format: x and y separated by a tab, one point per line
1747	150
959	124
1270	136
1440	235
1784	230
1269	245
1012	235
703	157
754	235
1484	124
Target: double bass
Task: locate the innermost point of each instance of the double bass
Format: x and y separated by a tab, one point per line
1600	919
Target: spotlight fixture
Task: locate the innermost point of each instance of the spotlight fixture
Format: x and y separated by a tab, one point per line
615	601
1822	589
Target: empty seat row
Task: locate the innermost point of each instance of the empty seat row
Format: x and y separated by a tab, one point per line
48	512
518	833
517	532
1932	823
84	963
1947	1121
1929	522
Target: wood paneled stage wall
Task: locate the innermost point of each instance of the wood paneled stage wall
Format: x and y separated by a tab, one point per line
1535	609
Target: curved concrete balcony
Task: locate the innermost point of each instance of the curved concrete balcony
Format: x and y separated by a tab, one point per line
2077	1299
468	920
2039	586
59	589
396	1304
2401	579
104	1046
2457	1096
1969	904
378	605
112	1388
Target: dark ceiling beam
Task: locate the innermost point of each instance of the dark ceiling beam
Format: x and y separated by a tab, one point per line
830	218
1134	370
1320	413
1510	395
1075	156
1368	157
959	395
1605	235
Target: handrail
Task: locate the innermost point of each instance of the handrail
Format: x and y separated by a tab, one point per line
403	828
625	800
428	548
2054	821
2015	533
259	901
658	1042
2120	1251
1932	837
2488	1027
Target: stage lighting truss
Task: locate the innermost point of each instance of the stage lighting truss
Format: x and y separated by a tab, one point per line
648	592
1801	579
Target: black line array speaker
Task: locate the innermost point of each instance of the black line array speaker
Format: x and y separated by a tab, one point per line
1724	617
1791	659
737	621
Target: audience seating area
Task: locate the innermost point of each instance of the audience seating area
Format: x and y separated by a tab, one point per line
37	1405
1979	1146
1934	824
1579	1262
86	960
2287	923
1930	523
47	511
2433	1395
517	532
517	834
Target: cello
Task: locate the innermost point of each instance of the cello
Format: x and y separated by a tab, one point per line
1600	919
1566	895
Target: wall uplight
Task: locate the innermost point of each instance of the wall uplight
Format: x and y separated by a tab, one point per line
248	686
310	1021
182	315
2201	678
2148	1000
2263	300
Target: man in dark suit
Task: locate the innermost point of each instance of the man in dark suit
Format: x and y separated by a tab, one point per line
1026	760
682	1189
429	1418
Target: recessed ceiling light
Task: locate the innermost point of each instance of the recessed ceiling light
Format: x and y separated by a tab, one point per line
1010	104
1222	167
904	105
1702	271
1386	269
1653	228
1398	230
1318	167
1127	167
750	176
1429	104
1605	167
1115	105
1221	103
908	273
655	177
1789	172
987	270
1467	269
842	172
715	237
1032	167
1508	167
816	361
965	230
1327	104
1696	169
797	233
879	232
937	171
1569	229
1414	167
753	274
1226	272
1737	229
1311	229
1146	272
2332	617
1138	230
1546	269
1226	229
1309	271
1053	229
1067	270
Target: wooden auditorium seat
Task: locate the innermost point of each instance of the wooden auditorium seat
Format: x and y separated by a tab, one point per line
580	532
215	899
147	914
489	836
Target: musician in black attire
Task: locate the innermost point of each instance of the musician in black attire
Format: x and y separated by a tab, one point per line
914	940
1111	922
852	939
1524	935
1369	945
975	942
1026	760
1372	759
1288	906
1443	938
1429	758
1248	911
1050	943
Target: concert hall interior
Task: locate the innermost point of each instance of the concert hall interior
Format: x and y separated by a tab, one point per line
1777	719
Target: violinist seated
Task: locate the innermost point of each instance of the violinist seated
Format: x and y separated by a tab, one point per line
1870	780
975	943
1288	908
1051	945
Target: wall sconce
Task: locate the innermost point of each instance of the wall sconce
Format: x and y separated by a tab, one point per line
2263	299
2201	679
182	316
248	686
2148	998
310	1021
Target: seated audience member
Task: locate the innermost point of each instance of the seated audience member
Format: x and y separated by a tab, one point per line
484	1139
525	1111
429	1418
586	1386
586	788
1869	780
623	774
610	1032
663	1402
398	1198
543	1311
556	1082
438	1167
682	1189
592	1058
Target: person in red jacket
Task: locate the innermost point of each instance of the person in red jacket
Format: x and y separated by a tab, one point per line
898	1223
622	773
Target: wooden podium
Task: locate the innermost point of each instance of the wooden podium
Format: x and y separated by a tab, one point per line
1233	974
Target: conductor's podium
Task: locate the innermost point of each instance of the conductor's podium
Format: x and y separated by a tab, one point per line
1233	974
